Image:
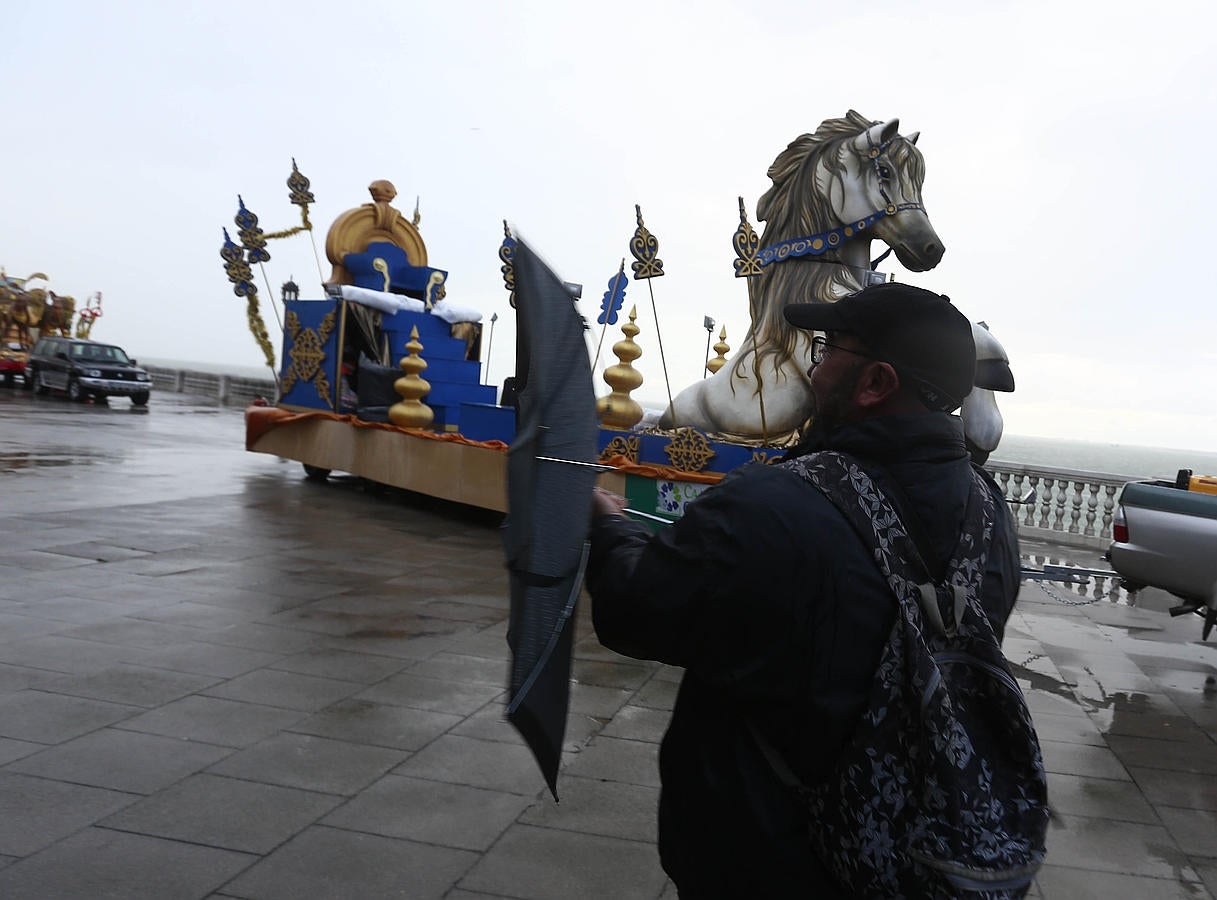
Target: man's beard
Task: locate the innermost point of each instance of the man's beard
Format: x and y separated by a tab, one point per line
830	415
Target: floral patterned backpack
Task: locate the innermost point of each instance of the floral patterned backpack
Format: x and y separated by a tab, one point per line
941	792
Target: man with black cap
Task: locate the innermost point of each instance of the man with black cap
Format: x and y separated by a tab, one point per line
768	599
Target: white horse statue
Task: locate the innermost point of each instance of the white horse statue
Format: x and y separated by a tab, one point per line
833	192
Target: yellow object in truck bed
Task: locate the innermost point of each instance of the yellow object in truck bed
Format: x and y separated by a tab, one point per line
1205	484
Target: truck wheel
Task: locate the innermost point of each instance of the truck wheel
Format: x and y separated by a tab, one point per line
315	473
75	393
8	379
140	399
27	380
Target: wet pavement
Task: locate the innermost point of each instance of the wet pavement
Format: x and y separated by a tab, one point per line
220	680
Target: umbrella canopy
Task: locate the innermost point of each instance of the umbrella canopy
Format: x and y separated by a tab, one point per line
548	503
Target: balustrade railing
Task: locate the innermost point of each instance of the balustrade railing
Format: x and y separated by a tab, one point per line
1065	506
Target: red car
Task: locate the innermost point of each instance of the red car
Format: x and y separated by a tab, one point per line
13	356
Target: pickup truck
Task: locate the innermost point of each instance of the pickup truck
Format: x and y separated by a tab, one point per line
1165	536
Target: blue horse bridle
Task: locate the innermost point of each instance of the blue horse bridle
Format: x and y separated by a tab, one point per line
818	244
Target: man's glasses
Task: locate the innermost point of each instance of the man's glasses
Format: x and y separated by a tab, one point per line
820	348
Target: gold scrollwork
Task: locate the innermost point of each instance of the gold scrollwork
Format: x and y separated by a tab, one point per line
621	446
689	450
644	247
307	354
383	268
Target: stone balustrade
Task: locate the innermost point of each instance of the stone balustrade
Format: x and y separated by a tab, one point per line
1068	506
228	389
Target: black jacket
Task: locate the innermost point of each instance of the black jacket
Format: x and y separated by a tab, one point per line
772	604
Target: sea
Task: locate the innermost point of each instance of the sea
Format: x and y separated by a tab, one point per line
1128	460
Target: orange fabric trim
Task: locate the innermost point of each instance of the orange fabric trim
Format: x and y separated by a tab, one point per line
654	470
259	420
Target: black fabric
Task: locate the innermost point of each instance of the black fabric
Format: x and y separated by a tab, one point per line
375	383
771	603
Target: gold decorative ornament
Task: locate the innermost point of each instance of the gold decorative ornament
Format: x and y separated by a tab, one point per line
383	268
411	412
307	355
689	450
644	247
764	458
506	254
622	445
721	349
373	222
747	245
618	409
299	194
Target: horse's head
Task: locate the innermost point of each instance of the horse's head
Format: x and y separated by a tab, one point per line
881	171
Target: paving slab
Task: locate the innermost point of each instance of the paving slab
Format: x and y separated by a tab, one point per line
261	687
100	864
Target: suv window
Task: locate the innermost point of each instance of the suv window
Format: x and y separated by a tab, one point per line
98	353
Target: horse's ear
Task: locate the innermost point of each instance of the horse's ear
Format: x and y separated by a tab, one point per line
912	138
891	130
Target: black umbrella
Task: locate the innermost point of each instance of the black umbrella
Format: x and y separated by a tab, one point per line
549	504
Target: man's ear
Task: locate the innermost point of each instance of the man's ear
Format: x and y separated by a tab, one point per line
877	384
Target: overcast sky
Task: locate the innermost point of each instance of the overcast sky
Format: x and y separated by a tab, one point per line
1068	149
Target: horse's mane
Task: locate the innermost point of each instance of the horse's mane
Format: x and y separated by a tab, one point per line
794	207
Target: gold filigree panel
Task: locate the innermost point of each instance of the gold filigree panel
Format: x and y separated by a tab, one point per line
689	450
307	355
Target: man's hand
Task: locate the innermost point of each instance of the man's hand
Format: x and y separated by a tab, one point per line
606	503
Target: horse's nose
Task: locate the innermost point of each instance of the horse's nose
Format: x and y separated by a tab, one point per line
933	251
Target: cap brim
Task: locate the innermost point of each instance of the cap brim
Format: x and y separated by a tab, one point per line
815	316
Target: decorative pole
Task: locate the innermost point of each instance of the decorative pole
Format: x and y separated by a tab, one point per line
242	285
254	241
494	317
614	297
708	324
644	247
747	246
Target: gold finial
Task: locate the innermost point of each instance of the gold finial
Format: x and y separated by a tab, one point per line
721	349
382	191
411	412
619	409
747	246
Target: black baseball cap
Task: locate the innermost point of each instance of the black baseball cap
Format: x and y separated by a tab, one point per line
926	339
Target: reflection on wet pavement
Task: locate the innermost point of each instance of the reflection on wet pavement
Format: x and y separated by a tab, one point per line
166	597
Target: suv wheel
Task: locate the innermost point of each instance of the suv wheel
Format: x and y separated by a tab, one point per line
140	399
74	390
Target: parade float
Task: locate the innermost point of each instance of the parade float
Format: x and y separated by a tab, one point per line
381	376
27	311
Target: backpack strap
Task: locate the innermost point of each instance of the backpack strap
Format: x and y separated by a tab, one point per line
849	488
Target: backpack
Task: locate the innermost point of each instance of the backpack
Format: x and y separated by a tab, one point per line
941	791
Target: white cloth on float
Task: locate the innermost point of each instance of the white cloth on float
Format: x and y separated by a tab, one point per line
390	303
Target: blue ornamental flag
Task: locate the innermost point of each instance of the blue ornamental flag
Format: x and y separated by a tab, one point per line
614	297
